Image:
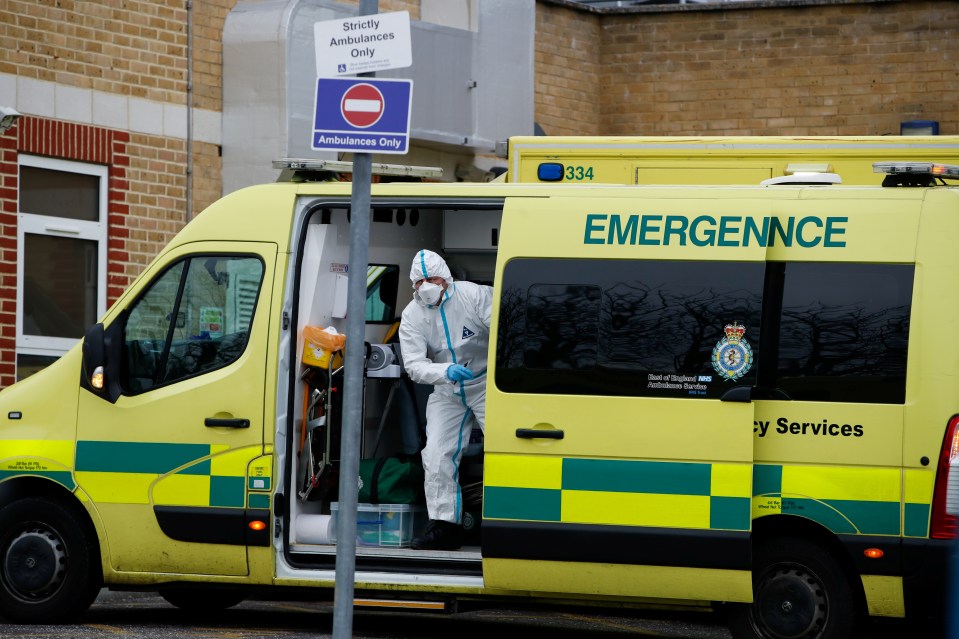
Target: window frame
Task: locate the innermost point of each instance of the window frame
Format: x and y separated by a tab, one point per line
768	380
67	228
188	260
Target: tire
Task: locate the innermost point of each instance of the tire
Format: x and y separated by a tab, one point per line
203	599
49	562
799	591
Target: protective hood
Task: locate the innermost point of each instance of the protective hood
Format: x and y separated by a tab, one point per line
429	264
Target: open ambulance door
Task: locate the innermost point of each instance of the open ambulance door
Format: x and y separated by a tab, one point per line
619	421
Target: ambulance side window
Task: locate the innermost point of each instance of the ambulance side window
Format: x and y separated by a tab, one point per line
628	327
194	318
844	331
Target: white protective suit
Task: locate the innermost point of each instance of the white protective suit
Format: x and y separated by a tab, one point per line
454	331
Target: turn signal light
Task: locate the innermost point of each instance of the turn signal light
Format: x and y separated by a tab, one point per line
873	553
257	525
96	380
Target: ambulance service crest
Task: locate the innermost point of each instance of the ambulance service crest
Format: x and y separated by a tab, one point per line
732	355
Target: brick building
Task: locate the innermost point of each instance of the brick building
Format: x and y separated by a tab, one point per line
758	67
121	136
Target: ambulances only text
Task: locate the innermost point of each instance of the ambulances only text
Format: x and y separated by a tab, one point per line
708	230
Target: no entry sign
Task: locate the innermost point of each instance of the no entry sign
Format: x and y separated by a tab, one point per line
362	105
362	115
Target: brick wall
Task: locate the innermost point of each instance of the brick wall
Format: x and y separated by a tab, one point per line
81	143
567	71
837	68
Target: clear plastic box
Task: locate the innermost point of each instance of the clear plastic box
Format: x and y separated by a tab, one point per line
387	525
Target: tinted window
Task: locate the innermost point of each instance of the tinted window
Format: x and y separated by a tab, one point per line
844	332
194	318
628	327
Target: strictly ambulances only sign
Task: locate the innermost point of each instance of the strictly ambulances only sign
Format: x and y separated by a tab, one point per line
363	44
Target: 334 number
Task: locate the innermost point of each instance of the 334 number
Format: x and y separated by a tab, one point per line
579	172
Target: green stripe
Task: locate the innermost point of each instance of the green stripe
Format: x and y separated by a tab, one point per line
663	478
917	520
62	477
228	492
729	513
817	511
260	501
265	481
845	516
531	504
767	480
136	457
870	517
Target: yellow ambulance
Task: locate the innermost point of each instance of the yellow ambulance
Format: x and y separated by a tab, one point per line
713	159
739	397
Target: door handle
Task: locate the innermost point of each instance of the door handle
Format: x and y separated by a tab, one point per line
536	433
213	422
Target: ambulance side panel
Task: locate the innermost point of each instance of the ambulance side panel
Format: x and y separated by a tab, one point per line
613	469
589	483
714	159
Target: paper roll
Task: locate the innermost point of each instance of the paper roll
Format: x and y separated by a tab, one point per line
314	529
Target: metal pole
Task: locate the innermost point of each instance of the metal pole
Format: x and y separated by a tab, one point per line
353	384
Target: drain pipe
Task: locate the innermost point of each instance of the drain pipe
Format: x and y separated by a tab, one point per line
189	110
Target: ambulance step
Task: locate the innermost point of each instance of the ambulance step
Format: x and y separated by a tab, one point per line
401	604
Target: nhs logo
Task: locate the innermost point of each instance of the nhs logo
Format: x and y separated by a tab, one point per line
705	378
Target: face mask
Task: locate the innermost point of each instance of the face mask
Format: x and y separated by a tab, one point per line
430	293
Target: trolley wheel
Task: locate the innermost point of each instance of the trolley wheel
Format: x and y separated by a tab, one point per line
49	562
799	591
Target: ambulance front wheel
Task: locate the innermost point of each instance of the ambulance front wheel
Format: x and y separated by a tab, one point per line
49	562
799	590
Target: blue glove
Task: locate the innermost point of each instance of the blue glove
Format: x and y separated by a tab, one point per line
457	373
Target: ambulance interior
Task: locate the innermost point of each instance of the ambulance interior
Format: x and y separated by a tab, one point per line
466	236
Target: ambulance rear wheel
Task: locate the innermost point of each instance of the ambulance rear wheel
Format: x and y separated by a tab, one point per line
799	591
202	599
49	562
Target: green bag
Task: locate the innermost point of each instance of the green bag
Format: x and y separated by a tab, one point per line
391	480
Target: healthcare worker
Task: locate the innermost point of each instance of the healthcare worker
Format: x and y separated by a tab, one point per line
444	336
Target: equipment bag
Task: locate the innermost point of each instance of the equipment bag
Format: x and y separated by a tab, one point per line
391	480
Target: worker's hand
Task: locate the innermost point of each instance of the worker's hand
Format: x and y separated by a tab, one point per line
457	373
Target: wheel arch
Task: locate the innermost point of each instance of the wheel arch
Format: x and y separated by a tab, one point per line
27	486
781	526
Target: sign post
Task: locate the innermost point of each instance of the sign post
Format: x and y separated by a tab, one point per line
362	116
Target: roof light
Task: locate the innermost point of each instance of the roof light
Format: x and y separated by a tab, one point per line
339	166
946	171
803	179
795	168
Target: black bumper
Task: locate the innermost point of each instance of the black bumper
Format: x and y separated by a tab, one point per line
926	567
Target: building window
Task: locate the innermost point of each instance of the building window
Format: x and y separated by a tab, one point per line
61	244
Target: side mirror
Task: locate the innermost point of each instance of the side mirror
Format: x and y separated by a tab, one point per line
101	362
91	377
